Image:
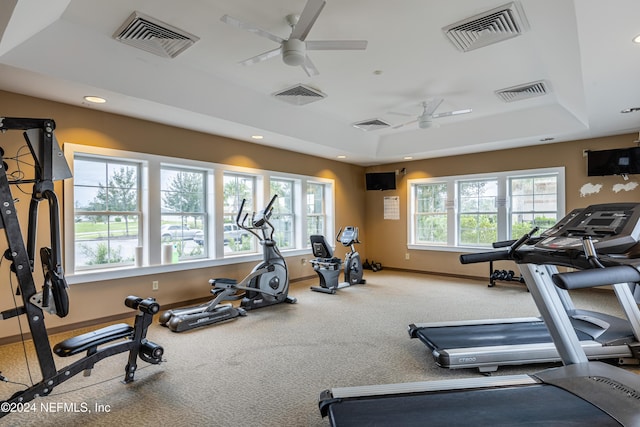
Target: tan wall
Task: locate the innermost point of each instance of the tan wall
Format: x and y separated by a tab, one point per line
86	126
387	239
384	241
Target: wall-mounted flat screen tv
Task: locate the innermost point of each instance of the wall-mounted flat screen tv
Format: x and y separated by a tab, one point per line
381	180
620	161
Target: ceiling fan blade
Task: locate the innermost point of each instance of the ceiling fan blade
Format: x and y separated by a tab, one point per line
431	105
309	68
262	57
307	18
452	113
397	113
404	124
336	45
251	28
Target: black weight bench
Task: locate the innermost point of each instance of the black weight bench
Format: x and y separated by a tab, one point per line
91	340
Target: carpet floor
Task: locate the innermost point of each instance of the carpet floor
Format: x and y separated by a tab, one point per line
268	368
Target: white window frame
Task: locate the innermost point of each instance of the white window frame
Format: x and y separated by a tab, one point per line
503	205
151	213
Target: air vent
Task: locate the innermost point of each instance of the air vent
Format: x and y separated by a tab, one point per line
525	91
493	26
299	95
154	36
372	124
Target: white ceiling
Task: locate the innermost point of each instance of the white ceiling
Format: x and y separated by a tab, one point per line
64	49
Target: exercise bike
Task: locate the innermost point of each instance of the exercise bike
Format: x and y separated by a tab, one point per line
267	284
328	267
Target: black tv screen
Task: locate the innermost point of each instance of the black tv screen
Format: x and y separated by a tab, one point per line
381	181
620	161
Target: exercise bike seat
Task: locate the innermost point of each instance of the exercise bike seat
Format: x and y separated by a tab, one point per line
75	345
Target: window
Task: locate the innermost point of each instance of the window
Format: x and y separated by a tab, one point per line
236	189
315	209
430	219
106	212
534	202
126	211
477	210
283	214
184	216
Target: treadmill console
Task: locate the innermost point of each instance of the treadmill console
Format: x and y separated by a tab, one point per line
613	227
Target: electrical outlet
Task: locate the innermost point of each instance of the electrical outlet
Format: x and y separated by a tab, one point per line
407	256
154	285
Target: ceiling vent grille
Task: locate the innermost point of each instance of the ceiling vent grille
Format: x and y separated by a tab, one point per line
493	26
299	95
525	91
371	124
154	36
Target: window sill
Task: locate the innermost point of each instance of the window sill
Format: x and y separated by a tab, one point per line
133	271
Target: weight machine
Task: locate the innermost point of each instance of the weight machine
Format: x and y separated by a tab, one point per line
50	165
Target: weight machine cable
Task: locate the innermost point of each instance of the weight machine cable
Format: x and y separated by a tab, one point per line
22	339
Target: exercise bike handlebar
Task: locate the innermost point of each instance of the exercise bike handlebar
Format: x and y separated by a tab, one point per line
350	242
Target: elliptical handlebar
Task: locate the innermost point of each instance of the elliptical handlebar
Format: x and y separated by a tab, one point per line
258	220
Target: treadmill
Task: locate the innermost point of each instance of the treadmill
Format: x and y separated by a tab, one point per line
489	343
580	393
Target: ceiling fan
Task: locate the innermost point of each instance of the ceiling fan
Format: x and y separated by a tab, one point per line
425	120
294	49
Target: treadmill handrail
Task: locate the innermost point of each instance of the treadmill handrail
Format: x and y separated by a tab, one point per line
597	277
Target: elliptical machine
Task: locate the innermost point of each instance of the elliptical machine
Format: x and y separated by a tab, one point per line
267	284
328	267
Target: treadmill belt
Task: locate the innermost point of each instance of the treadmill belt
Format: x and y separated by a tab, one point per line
537	405
489	335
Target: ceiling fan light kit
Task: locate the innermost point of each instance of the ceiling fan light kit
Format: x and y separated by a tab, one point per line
425	122
293	52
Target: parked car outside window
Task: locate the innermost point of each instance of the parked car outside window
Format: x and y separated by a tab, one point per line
179	232
231	232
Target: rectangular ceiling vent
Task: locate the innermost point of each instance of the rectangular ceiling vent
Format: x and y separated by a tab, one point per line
371	124
493	26
299	95
520	92
154	36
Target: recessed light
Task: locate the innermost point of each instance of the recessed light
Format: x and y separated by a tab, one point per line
95	99
636	39
342	157
408	158
257	136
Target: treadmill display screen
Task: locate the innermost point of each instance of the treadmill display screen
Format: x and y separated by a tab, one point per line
611	226
601	221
